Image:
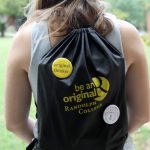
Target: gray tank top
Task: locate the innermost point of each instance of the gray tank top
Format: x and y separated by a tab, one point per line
41	44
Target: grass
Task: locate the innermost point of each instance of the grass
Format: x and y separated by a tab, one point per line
147	50
141	137
10	142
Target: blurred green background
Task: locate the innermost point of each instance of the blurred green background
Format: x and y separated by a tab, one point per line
134	11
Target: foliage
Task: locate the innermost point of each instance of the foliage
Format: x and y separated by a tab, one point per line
119	13
12	8
135	11
2	26
146	39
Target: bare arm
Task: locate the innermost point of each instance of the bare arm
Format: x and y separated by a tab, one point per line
137	79
17	89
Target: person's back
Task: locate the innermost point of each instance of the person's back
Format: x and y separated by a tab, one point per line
104	27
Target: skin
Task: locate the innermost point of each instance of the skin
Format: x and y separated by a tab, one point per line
18	90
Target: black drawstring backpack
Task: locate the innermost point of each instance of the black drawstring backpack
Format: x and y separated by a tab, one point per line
81	95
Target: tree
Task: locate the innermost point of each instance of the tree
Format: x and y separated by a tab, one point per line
134	11
7	8
13	8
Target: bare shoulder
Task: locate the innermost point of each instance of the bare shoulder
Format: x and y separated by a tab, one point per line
132	43
19	53
137	78
129	32
24	33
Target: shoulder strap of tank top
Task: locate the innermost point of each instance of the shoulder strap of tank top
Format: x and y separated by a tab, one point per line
40	44
115	36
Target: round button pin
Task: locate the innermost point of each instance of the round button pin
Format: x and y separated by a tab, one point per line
111	114
62	68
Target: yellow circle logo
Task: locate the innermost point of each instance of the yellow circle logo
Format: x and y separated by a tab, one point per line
62	68
103	86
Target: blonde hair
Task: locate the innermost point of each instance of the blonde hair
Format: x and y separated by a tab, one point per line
64	15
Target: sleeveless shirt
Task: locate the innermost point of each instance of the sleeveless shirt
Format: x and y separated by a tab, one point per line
40	44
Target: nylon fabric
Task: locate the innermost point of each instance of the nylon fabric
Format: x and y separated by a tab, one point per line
87	108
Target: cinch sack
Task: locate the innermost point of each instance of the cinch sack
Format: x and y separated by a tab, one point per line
81	95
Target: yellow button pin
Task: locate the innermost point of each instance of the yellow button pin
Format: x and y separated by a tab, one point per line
62	68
